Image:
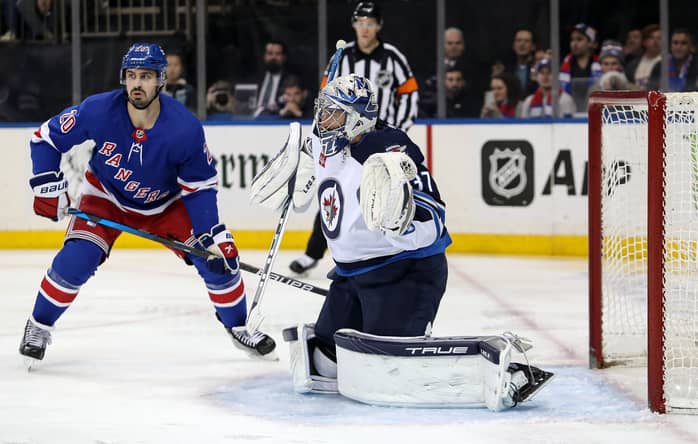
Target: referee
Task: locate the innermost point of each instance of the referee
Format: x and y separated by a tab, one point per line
398	96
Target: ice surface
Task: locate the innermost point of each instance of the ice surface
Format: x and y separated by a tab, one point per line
140	358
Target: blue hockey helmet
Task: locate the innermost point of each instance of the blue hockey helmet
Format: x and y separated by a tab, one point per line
144	56
345	108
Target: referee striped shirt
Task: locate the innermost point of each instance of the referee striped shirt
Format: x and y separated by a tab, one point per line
389	71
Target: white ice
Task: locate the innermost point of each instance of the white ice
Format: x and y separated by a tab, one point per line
140	358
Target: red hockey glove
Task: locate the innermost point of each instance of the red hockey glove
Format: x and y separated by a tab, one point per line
220	242
50	195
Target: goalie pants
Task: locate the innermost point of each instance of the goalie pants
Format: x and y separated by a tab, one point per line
399	299
87	245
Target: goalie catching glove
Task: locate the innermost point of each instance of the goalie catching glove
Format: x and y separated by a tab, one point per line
385	196
220	242
289	173
50	195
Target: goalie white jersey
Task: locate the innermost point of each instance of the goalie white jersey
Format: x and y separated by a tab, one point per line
354	248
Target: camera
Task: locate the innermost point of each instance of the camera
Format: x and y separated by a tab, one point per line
221	97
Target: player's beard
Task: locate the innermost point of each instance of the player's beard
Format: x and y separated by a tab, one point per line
141	103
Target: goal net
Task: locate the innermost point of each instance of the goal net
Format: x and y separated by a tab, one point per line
643	235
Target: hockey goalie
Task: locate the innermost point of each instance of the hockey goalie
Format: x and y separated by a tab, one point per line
384	221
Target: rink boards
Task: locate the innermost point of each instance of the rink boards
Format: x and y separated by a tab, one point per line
516	187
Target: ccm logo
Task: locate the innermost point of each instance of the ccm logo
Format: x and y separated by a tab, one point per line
437	350
53	188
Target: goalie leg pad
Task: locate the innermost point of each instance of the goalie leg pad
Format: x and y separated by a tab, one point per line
409	371
427	371
305	378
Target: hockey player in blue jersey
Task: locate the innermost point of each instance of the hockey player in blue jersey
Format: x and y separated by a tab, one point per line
150	169
384	220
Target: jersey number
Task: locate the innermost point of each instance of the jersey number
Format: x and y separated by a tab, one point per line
419	183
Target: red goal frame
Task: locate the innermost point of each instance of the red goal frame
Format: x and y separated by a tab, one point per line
656	102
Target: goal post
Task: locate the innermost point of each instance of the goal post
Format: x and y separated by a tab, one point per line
643	235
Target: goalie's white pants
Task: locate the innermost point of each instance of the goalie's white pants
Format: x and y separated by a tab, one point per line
418	371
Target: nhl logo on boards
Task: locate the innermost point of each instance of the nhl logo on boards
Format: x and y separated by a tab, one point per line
507	173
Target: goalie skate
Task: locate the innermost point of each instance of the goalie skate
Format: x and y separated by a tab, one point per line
33	344
256	345
527	381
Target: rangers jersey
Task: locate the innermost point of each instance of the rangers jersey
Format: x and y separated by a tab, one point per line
356	249
139	170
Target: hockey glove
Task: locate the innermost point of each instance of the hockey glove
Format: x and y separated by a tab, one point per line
50	195
220	242
385	195
290	174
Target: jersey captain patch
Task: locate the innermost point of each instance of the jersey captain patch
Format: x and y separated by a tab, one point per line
331	207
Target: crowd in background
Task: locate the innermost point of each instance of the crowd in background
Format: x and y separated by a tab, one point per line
514	85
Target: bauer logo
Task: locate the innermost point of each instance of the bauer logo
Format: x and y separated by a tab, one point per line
507	173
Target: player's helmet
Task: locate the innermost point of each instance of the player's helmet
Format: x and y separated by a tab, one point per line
144	56
345	108
367	9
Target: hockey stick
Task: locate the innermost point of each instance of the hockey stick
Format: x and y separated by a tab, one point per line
178	245
254	316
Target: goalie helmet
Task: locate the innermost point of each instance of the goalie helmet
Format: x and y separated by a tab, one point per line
345	108
144	56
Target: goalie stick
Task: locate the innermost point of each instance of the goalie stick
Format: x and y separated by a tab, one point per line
254	316
173	243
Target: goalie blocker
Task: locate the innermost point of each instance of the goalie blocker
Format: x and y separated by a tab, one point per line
416	371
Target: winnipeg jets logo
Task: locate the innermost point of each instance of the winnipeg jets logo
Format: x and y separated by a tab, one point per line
331	207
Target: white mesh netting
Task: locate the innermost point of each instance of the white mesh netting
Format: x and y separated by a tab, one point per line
680	241
624	242
624	232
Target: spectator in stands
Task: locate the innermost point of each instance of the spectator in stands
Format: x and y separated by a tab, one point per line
540	54
454	57
454	46
219	101
176	85
458	103
580	68
33	13
539	104
275	72
294	103
295	100
633	45
522	63
613	76
9	16
640	69
503	100
683	65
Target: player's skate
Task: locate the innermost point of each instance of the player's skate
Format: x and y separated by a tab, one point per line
303	264
257	344
34	342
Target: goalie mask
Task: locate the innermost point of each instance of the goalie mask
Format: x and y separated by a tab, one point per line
345	108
